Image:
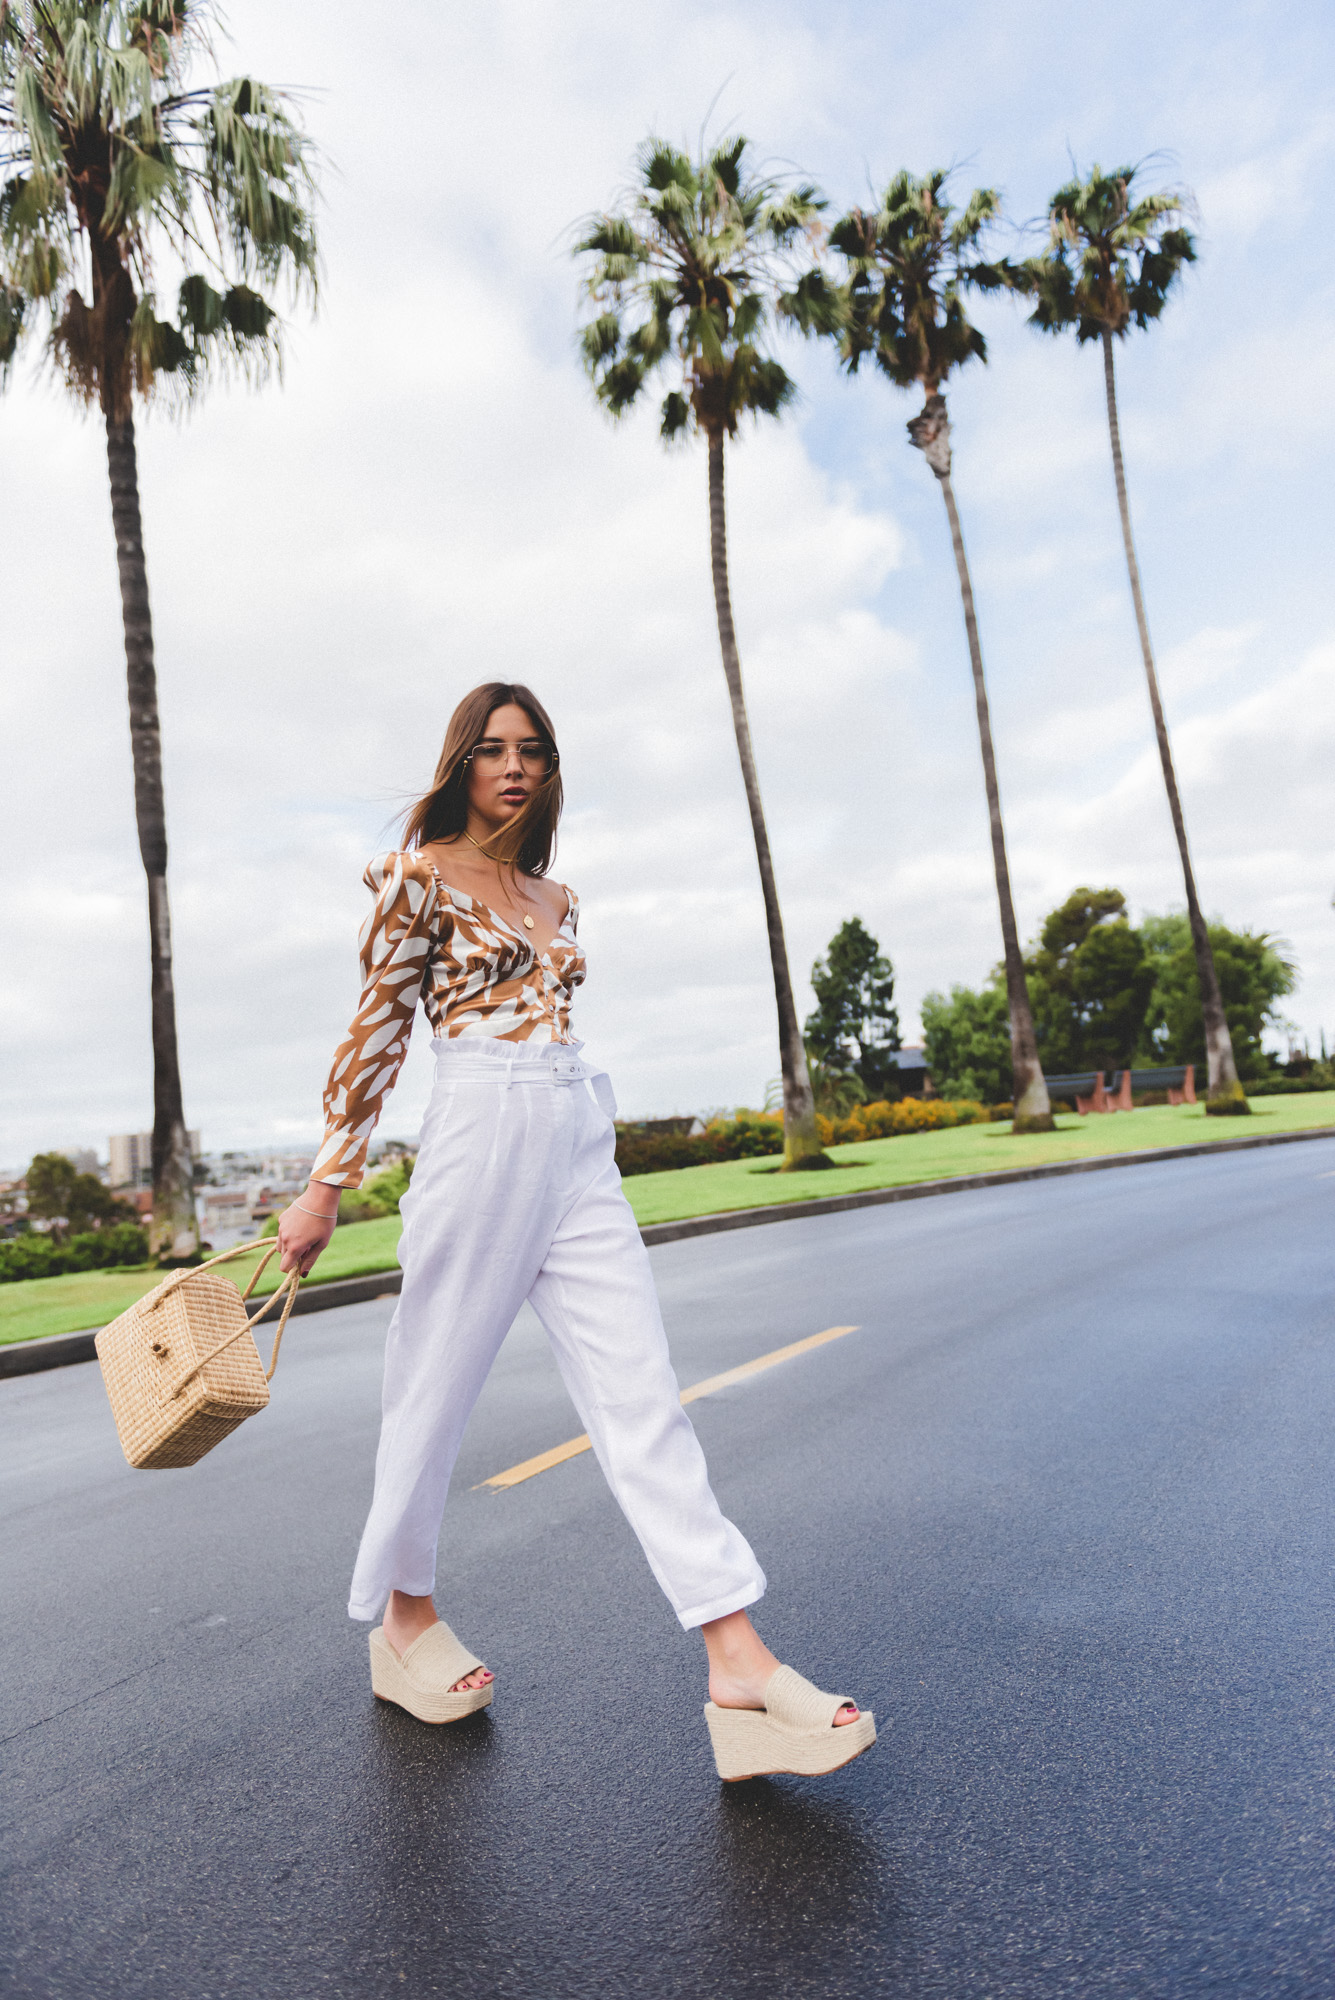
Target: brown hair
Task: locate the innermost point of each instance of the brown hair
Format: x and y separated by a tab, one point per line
528	841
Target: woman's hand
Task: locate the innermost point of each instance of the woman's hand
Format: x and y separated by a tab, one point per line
302	1235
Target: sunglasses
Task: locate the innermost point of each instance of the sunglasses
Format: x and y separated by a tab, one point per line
538	759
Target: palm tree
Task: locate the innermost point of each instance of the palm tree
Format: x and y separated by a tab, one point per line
689	275
1111	263
108	165
909	264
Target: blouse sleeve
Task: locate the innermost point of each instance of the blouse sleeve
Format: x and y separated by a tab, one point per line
396	945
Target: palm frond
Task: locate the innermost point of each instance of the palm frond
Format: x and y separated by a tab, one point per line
1113	256
106	156
157	347
12	308
854	237
663	166
619	386
601	339
611	236
31	112
762	384
792	214
908	265
694	271
257	172
982	207
676	416
814	304
725	165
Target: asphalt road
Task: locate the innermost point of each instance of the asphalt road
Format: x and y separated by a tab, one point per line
1060	1511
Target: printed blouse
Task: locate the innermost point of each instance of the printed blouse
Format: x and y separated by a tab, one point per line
474	973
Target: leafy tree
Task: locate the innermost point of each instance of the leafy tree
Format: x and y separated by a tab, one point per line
1090	979
687	278
110	166
1254	976
59	1193
835	1091
380	1195
855	1026
967	1041
1113	258
910	263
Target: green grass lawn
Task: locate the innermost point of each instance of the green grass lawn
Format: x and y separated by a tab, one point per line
36	1306
39	1306
967	1149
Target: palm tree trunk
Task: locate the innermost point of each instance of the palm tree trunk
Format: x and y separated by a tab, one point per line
174	1234
930	432
1225	1093
801	1144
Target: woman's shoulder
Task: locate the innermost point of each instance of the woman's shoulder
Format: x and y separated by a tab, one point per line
571	915
401	872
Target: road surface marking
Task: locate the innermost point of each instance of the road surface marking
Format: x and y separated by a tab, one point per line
561	1452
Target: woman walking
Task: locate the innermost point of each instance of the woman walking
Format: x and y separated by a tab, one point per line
515	1195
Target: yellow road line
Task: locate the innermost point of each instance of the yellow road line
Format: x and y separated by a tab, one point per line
561	1452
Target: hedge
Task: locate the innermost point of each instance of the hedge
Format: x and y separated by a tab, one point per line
905	1115
33	1256
754	1134
750	1135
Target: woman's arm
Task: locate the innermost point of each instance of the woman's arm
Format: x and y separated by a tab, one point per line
396	944
305	1227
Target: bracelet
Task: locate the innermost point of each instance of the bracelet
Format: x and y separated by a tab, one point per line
315	1211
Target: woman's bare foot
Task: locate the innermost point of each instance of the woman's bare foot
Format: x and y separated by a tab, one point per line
740	1664
407	1618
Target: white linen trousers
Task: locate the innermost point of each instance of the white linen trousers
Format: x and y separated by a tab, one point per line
515	1195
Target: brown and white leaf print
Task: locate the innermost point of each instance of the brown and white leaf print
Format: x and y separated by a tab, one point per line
474	974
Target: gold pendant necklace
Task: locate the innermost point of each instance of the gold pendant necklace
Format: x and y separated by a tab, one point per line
526	920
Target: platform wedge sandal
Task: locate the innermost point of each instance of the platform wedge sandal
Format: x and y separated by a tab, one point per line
423	1679
794	1732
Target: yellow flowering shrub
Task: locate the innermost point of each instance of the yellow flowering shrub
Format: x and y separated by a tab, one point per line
890	1121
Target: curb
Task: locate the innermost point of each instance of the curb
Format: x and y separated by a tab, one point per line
59	1350
835	1204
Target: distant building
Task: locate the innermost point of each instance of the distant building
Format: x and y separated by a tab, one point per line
226	1216
287	1170
658	1128
83	1161
132	1158
912	1067
13	1201
236	1211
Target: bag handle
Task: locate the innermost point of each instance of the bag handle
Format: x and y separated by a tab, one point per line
179	1278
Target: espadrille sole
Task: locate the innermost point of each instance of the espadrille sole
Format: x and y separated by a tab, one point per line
391	1682
748	1743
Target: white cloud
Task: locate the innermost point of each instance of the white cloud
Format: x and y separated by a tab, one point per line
432	499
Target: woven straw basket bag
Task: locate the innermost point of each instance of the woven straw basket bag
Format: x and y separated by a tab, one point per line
181	1368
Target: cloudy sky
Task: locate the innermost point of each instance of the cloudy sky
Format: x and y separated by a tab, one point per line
431	499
